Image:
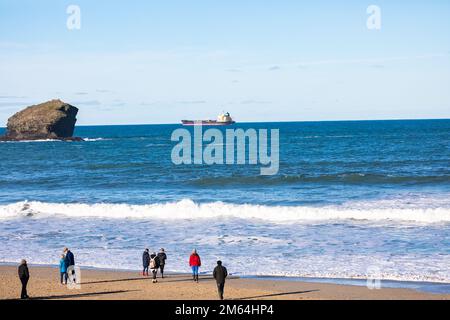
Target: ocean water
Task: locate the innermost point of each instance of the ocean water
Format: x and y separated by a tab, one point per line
350	199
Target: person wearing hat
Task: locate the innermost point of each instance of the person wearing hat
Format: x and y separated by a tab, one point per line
162	261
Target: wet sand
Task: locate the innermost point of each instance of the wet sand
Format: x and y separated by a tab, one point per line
124	285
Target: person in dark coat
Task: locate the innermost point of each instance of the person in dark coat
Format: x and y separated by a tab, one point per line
145	262
24	276
220	273
70	262
154	265
162	261
70	259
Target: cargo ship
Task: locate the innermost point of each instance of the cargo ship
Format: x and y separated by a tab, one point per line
223	119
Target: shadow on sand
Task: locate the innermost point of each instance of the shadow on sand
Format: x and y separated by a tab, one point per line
276	294
132	279
80	295
178	278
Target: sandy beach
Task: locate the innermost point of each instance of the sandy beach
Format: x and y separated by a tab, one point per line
127	285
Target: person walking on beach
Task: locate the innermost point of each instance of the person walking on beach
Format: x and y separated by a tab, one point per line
63	269
220	273
154	265
24	276
162	261
145	262
70	263
195	263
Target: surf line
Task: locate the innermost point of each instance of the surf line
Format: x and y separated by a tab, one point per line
211	147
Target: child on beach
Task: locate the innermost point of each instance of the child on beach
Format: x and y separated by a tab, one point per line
195	263
154	265
63	269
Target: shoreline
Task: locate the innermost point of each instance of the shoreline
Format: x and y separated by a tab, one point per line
240	287
420	286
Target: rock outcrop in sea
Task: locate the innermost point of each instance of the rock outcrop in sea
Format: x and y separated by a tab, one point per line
53	119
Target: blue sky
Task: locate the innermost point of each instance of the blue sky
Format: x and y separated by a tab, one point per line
161	61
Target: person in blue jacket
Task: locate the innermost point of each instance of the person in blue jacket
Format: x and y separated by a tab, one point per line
63	269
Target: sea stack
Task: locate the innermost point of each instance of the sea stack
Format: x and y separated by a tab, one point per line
53	119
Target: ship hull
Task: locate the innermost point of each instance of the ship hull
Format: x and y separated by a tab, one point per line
206	123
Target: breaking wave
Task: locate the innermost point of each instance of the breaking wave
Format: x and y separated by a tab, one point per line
187	209
94	139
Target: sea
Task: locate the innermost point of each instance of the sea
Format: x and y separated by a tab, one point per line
351	200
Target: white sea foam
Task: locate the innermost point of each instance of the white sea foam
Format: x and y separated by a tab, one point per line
94	139
187	209
402	249
38	140
355	267
54	140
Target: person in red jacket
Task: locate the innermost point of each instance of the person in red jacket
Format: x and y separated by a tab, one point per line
195	263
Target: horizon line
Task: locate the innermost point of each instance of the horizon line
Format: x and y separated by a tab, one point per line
258	122
280	121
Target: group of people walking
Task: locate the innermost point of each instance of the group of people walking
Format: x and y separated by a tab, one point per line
154	262
66	264
157	261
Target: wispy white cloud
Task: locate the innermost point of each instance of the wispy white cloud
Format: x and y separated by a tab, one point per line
255	102
86	103
145	104
233	70
6	46
117	103
13	97
368	61
13	45
377	66
192	102
14	104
